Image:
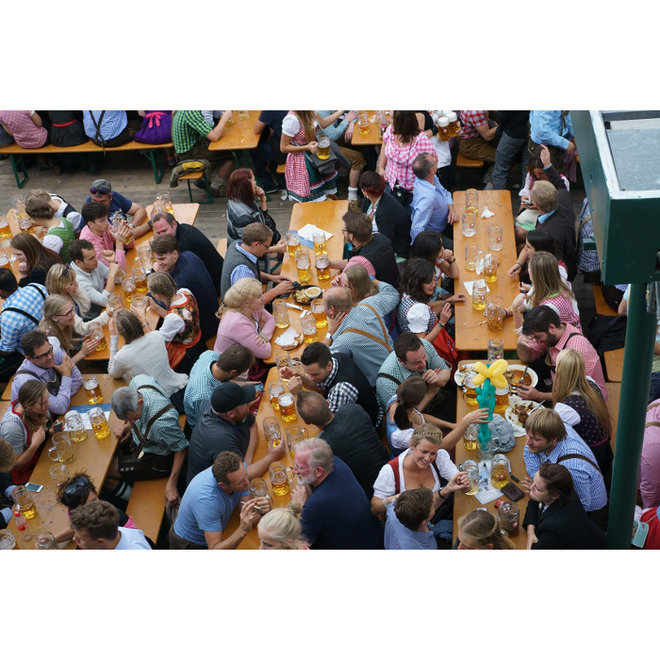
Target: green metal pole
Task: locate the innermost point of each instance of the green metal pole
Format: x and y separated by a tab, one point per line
637	362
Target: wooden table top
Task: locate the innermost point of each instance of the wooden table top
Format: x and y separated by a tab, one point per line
327	216
471	334
465	503
251	541
239	135
185	214
92	455
373	136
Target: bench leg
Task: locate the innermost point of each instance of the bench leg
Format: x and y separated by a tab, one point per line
16	163
156	163
189	192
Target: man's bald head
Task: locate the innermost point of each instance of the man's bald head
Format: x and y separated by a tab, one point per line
338	297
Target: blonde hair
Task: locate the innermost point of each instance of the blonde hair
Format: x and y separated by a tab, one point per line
7	456
162	284
59	276
570	377
481	529
544	195
546	280
243	292
53	306
282	526
37	205
546	423
428	432
360	283
307	118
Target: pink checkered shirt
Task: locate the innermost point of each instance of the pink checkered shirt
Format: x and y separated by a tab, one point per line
470	119
400	159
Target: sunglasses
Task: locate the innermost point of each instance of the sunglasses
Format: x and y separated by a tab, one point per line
78	482
99	191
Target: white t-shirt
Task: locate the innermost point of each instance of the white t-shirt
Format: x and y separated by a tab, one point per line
385	486
173	324
132	539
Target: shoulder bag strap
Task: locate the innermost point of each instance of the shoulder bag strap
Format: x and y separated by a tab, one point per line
384	375
20	311
35	286
584	458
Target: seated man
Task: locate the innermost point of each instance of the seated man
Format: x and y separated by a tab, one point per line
349	433
228	425
359	330
118	206
543	332
208	505
432	205
477	140
50	365
413	356
95	278
96	527
208	372
550	440
337	376
44	205
374	247
191	239
191	135
189	272
108	128
21	312
335	510
97	231
151	431
241	260
406	526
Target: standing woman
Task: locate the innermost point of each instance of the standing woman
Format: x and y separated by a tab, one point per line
34	260
403	141
303	183
579	402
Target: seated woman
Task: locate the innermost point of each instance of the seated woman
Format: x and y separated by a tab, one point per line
143	354
480	530
280	529
34	260
59	231
579	402
403	417
555	519
357	278
243	320
60	321
25	126
25	426
62	280
538	240
423	464
180	327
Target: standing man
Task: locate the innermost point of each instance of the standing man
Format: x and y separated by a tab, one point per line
554	129
513	141
101	192
190	239
477	140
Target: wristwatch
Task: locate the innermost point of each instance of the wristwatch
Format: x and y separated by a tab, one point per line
328	335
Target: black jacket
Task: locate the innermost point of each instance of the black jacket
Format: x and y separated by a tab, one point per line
393	221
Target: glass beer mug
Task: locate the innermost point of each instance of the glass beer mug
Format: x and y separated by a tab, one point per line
278	478
443	129
274	390
281	313
62	449
322	267
318	310
323	143
471	256
24	502
499	471
75	426
92	390
292	242
509	515
494	314
363	122
469	224
479	292
471	437
287	407
303	265
490	267
472	201
272	431
99	423
471	468
494	238
294	436
308	325
96	331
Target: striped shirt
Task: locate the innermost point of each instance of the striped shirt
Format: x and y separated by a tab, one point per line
188	128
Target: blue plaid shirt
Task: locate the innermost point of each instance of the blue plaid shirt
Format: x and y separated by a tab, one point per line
13	325
201	384
588	481
112	124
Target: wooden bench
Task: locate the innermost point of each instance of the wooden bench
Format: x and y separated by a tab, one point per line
16	154
613	396
222	247
463	163
281	168
600	303
613	359
197	176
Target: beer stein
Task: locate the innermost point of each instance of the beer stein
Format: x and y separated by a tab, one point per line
59	474
292	242
494	314
509	515
490	267
96	332
471	468
259	488
373	116
501	400
470	391
494	238
469	224
281	313
281	360
165	202
479	292
45	541
24	224
495	349
322	267
472	200
294	435
146	258
296	365
128	285
471	437
287	407
140	279
318	310
4	259
23	500
278	478
303	265
320	244
139	304
243	115
443	129
274	390
363	122
62	449
75	426
92	389
499	471
5	231
323	143
471	256
272	431
99	423
114	303
7	540
454	128
308	325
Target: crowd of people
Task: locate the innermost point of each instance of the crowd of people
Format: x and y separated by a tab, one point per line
381	375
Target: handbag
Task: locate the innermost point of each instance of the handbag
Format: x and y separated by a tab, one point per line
156	128
326	167
446	349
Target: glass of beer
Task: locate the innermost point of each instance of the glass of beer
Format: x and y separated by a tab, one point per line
259	488
139	304
287	407
454	127
165	202
274	390
318	310
24	224
470	391
323	147
296	365
292	242
272	431
45	541
322	267
114	303
281	359
479	292
294	435
308	326
490	267
62	449
494	314
243	115
281	313
7	540
140	279
501	399
99	423
128	285
495	238
471	255
495	349
320	244
146	258
499	471
4	259
470	437
96	332
59	474
278	478
472	200
92	389
471	468
443	129
303	265
5	231
509	515
23	499
363	122
469	224
75	426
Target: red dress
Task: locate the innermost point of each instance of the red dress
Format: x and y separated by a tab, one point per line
191	333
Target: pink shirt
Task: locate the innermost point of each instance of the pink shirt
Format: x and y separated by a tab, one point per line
105	242
400	158
236	328
649	467
26	133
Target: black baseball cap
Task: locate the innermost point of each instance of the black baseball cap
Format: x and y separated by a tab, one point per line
227	396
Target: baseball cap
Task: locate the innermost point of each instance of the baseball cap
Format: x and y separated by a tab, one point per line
100	185
418	317
227	396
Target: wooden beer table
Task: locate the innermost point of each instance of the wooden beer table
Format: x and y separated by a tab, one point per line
239	137
472	334
325	215
92	455
251	541
465	503
373	136
185	214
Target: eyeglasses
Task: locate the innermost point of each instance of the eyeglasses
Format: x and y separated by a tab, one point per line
66	270
78	482
43	355
99	191
71	311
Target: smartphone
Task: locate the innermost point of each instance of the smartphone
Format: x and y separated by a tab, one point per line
34	488
512	492
259	387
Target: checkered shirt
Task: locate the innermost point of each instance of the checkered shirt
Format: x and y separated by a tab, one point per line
400	158
14	325
200	386
188	128
469	120
112	124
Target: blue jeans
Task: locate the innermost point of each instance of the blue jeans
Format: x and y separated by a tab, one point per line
261	155
5	138
507	149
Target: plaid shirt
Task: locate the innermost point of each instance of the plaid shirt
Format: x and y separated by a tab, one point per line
200	386
588	261
166	436
13	325
398	168
339	393
188	128
470	119
112	124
